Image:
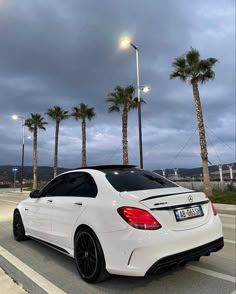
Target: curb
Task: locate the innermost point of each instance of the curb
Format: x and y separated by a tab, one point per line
8	286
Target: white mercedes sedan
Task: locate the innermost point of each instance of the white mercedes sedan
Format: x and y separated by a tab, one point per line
120	220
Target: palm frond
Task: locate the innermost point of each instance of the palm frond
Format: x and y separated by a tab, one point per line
121	98
57	113
36	121
114	108
83	112
191	67
192	57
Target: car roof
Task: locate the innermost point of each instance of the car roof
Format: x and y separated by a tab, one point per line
106	167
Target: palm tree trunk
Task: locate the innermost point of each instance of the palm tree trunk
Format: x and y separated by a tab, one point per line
56	149
84	143
124	137
206	177
35	159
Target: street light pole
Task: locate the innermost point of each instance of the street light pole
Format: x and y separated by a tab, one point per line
124	42
139	109
22	155
15	117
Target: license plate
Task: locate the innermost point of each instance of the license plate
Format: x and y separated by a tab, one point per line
187	213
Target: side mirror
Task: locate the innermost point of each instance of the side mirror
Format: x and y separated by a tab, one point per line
34	194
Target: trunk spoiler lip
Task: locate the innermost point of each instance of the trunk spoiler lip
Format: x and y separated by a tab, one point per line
169	194
179	206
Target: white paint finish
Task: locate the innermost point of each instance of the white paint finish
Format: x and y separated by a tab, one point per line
36	216
212	273
30	273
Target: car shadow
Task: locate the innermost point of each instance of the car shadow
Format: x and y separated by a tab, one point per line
53	265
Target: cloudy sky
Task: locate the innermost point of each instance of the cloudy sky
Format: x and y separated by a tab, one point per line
66	52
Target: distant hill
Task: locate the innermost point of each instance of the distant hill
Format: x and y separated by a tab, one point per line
45	173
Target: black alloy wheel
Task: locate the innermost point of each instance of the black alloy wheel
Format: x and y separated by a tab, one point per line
89	257
18	227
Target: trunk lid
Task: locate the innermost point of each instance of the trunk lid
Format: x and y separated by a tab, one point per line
167	205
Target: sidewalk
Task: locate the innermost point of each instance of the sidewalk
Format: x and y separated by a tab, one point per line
8	286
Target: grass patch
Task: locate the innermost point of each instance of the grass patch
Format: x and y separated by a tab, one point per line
224	197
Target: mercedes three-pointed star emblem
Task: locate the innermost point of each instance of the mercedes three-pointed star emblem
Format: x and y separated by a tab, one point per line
190	198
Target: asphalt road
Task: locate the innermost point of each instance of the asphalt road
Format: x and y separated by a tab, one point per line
39	267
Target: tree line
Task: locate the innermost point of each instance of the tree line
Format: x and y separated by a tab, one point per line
187	68
121	100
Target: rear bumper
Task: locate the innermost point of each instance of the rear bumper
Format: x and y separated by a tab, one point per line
134	252
186	256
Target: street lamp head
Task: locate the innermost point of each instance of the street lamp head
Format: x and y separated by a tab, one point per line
145	89
15	116
124	42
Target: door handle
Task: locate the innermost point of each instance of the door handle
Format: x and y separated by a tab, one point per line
49	201
78	203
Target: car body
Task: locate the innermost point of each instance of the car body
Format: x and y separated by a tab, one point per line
120	220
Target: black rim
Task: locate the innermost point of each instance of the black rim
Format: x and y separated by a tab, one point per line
86	253
17	225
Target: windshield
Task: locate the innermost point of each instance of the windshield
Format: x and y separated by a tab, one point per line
134	179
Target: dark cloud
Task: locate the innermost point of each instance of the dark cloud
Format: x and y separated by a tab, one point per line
66	52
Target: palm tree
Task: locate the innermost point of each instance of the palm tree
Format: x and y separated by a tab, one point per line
190	67
83	113
57	114
122	99
34	123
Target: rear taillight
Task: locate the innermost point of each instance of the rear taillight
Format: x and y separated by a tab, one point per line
213	208
138	218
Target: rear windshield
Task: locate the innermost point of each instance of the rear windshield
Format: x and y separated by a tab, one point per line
134	179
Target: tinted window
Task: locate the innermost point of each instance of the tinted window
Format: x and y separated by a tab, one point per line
72	184
82	185
52	186
135	179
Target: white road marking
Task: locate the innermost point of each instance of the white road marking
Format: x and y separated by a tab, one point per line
229	226
229	241
13	197
212	273
9	201
30	273
227	215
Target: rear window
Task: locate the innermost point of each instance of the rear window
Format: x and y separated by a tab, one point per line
134	179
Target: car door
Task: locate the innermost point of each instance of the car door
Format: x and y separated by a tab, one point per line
38	212
79	189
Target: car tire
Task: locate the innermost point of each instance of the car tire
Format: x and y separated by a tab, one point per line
89	257
18	227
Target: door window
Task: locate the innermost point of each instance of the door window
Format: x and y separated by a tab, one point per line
71	184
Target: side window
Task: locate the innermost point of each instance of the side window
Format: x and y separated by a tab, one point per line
83	185
72	184
55	187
